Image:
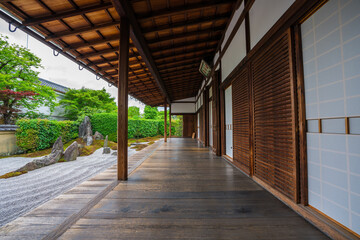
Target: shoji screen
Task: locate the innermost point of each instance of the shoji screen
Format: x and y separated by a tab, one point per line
228	122
274	125
331	57
241	108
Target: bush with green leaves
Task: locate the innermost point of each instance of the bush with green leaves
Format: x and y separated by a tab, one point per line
106	124
39	134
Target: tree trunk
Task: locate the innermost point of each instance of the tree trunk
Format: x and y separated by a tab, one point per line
7	118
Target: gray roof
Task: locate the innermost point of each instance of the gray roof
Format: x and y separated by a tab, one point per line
54	86
8	127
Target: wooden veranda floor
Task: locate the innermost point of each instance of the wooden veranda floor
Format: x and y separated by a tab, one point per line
182	191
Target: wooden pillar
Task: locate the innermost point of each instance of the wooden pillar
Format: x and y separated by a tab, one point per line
206	116
222	122
165	122
170	120
216	114
122	144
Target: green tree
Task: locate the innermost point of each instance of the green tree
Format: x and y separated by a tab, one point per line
150	112
161	115
20	87
84	101
134	112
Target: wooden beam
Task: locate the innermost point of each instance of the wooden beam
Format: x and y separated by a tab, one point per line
122	160
92	43
102	52
185	9
185	44
186	23
5	1
165	122
35	21
116	67
211	30
180	62
186	70
186	55
82	30
124	9
178	68
110	60
183	52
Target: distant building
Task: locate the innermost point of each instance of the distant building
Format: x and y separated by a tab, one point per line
58	113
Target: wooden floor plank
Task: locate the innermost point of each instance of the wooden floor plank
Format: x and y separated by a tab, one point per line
183	191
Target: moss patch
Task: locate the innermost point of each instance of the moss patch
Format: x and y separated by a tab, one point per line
139	147
12	174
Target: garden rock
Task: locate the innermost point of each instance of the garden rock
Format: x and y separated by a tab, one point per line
58	146
106	149
89	140
55	155
85	128
98	136
114	153
72	152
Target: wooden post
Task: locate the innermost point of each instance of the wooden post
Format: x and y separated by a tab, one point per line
165	122
206	116
170	120
122	144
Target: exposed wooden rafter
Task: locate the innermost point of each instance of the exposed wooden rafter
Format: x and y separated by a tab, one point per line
125	10
82	30
35	21
185	9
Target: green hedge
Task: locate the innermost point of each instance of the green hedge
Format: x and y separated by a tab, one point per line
39	134
106	124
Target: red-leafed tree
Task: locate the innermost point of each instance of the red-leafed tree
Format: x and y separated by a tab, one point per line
20	88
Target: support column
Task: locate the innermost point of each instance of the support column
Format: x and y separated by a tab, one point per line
170	120
165	121
122	144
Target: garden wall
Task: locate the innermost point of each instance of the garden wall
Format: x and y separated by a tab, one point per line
8	140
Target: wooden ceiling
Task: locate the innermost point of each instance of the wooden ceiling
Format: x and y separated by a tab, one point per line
178	33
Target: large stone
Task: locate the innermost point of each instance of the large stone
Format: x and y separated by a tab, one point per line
85	128
55	155
58	145
72	152
106	141
89	140
106	149
98	136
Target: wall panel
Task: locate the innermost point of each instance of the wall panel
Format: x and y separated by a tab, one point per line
274	141
235	52
331	57
241	117
263	15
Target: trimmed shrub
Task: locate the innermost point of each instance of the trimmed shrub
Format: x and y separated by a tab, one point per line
39	134
106	124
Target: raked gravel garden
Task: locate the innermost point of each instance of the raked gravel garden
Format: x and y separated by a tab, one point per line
20	194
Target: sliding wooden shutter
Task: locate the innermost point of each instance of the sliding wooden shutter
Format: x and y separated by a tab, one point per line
274	117
241	132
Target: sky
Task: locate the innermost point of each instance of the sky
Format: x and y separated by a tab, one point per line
59	69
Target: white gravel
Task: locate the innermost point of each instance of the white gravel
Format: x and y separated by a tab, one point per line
20	194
